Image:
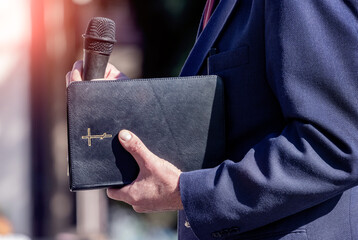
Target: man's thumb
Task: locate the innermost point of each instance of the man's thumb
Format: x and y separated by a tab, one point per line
134	146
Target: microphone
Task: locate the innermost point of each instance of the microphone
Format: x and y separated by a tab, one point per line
99	40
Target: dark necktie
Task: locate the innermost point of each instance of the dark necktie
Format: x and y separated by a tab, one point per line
208	11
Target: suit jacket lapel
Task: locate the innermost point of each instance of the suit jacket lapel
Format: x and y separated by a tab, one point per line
207	37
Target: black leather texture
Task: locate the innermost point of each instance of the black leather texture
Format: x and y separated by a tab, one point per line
180	119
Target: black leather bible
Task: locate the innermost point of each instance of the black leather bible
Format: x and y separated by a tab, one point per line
179	119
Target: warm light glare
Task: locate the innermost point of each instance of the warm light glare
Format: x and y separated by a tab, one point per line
14	22
14	33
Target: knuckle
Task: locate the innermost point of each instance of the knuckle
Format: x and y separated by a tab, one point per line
133	197
136	146
133	201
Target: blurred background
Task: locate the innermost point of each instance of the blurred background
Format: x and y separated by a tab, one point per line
39	42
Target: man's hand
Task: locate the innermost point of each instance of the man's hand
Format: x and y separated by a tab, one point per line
112	73
157	185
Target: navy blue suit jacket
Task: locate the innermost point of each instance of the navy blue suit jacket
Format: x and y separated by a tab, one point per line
290	70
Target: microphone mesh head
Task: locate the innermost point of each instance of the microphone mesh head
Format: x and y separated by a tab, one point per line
100	35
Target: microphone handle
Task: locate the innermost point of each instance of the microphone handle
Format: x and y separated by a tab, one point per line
94	65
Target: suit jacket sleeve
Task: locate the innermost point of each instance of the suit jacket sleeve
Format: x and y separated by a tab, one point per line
312	66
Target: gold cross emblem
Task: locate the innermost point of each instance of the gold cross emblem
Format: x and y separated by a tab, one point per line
89	137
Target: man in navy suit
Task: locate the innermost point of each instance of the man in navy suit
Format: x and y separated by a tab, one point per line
290	70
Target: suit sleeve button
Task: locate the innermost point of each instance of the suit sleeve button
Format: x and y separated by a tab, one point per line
187	224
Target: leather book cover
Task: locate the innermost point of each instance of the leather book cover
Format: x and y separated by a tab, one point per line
180	119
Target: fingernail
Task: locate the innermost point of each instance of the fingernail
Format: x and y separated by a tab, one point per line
125	135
